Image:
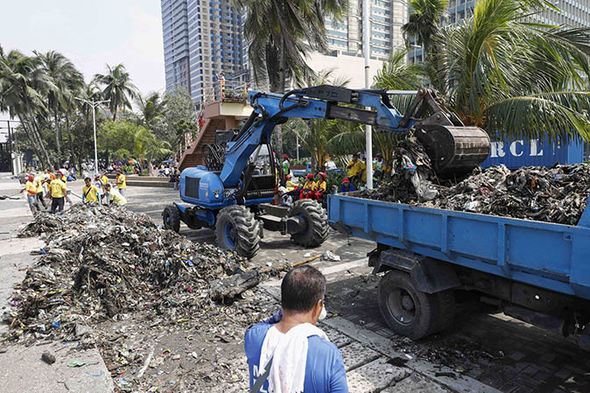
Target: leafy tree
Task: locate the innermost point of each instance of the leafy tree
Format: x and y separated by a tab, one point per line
118	88
22	87
397	74
113	136
151	109
64	84
516	78
280	34
180	117
147	148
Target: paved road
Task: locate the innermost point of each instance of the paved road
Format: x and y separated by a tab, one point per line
494	350
480	353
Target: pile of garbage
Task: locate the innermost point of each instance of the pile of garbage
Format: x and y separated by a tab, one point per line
557	194
102	262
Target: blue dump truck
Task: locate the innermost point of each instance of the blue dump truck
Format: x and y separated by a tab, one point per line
537	272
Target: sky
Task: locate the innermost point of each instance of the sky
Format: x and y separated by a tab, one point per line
91	33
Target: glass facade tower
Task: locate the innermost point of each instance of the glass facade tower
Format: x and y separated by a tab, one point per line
213	47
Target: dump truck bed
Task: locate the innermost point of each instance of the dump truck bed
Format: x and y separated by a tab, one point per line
547	255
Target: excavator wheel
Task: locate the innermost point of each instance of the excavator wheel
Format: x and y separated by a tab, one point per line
315	215
237	229
171	218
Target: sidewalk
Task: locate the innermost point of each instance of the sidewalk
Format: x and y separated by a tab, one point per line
22	369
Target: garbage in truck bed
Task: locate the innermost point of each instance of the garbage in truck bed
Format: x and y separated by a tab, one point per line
516	153
557	194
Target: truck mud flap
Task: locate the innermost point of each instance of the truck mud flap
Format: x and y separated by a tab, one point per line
429	275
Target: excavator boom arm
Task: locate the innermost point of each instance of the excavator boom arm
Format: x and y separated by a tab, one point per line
371	107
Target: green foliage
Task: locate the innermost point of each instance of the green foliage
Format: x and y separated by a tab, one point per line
281	33
510	77
396	74
180	117
118	88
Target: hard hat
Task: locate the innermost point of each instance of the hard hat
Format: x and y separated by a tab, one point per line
285	156
346	180
30	177
282	190
322	174
309	176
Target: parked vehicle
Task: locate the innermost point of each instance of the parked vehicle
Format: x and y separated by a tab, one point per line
538	272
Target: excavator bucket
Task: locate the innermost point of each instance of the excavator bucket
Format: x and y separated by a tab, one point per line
454	149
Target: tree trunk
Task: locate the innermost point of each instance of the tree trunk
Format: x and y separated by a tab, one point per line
114	112
57	133
34	143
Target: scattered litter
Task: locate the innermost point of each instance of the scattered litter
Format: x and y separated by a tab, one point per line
330	256
76	363
48	357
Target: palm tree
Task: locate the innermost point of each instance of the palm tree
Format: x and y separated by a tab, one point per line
424	21
424	26
280	34
514	78
65	82
22	86
397	74
147	147
151	108
118	88
315	134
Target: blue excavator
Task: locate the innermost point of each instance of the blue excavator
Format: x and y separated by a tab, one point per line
232	193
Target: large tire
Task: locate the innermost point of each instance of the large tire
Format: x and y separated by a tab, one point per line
237	229
317	223
411	312
171	218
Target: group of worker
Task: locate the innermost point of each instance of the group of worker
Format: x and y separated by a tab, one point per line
54	185
356	170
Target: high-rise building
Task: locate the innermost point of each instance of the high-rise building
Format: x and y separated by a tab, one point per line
176	49
387	17
574	13
203	45
345	39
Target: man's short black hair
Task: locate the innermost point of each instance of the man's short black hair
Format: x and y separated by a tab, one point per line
301	289
87	178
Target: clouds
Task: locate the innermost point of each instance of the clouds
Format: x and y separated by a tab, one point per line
91	34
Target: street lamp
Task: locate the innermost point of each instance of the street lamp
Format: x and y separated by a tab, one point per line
94	104
367	55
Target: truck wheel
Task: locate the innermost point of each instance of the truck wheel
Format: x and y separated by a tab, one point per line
237	229
411	312
317	223
171	218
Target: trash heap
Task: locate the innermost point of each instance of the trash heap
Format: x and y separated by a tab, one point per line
557	194
102	262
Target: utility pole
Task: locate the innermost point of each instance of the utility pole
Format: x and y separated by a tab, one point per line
94	104
367	54
297	143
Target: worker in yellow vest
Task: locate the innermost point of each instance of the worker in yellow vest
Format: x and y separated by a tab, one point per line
121	183
58	191
89	192
31	190
113	196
